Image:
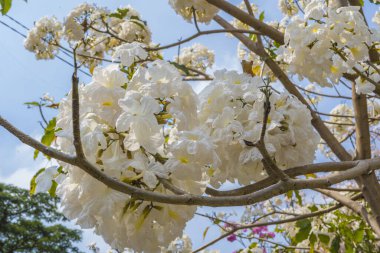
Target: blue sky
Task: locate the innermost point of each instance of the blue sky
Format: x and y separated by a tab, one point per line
23	79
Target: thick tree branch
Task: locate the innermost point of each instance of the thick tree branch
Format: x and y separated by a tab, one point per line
368	182
248	19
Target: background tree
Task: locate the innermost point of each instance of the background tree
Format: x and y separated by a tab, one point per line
27	223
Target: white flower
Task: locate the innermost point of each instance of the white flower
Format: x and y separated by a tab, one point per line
110	76
311	43
139	119
363	86
203	10
160	80
44	38
180	245
315	10
44	180
196	57
288	7
376	18
128	53
150	170
76	20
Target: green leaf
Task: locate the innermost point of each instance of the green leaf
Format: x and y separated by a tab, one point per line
304	230
181	67
313	208
361	2
335	245
325	239
32	103
299	198
53	188
262	16
253	245
359	235
276	44
33	183
205	232
5	6
120	13
141	219
312	240
48	137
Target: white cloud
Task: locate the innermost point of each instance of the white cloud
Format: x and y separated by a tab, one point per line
20	178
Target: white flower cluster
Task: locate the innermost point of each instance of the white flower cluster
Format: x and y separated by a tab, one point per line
376	18
196	57
232	109
204	11
342	121
328	41
43	39
288	7
123	132
149	126
92	30
183	245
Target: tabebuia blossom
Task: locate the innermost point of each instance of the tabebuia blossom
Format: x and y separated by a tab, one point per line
196	57
43	39
92	30
327	42
151	127
186	8
232	109
123	133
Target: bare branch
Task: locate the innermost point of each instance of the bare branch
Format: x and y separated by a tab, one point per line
198	34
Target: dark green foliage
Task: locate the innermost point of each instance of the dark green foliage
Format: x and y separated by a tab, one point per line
29	224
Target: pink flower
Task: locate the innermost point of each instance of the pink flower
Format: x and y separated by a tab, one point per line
231	238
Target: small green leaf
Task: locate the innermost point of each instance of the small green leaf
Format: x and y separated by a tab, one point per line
32	103
262	16
276	44
304	230
335	245
359	235
33	183
5	6
48	137
312	240
141	219
120	13
325	239
205	232
53	188
313	208
253	245
181	67
299	198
